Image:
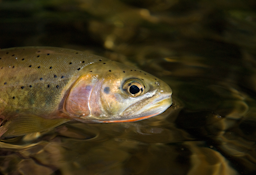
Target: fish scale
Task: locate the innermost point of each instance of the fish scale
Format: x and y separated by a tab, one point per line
39	95
43	87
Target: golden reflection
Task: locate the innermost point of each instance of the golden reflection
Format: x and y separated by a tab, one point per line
204	50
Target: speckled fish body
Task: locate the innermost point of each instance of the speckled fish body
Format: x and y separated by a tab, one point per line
44	86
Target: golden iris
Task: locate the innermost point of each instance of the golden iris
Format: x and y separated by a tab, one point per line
134	87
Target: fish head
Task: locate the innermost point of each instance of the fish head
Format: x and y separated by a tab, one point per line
114	92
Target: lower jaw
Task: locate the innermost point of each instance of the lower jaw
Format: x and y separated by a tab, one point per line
129	120
164	103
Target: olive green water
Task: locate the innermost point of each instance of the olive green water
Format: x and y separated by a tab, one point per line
205	51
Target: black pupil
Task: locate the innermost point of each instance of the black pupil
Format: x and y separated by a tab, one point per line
134	89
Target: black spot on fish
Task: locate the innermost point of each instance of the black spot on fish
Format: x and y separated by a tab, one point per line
48	85
22	87
104	63
100	60
30	86
123	71
23	59
55	76
106	90
38	51
145	74
131	70
57	86
5	82
62	77
48	54
78	69
50	67
38	55
29	65
7	52
13	55
41	78
82	61
140	71
91	71
13	97
12	66
38	67
70	63
76	52
134	70
109	70
0	58
155	79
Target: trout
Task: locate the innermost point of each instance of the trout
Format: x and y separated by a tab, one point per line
43	87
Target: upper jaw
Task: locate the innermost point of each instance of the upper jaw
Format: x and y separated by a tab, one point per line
156	105
147	106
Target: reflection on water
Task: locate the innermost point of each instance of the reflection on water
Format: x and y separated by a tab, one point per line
204	50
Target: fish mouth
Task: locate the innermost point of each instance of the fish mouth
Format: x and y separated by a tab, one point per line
143	109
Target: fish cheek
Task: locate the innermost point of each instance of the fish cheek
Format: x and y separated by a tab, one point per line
77	100
110	102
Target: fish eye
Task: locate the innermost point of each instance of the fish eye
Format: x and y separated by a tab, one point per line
133	87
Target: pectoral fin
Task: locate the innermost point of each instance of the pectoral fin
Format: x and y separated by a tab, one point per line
28	124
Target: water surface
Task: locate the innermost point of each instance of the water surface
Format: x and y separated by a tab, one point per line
204	50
